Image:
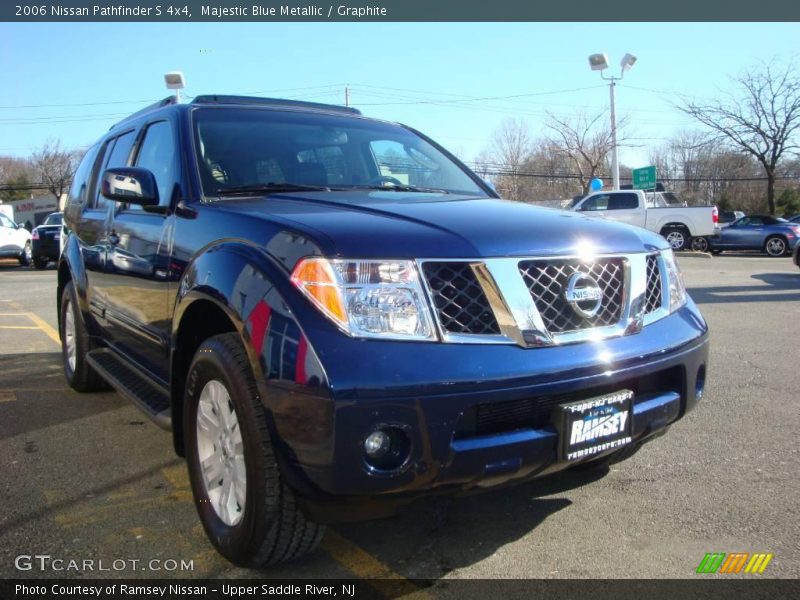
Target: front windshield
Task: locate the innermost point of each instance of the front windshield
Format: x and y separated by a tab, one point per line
54	219
244	147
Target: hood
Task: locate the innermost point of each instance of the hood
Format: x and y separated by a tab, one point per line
377	224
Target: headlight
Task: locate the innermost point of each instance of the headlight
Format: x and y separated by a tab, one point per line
367	298
676	287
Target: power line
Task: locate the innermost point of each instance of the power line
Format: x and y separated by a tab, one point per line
481	99
151	100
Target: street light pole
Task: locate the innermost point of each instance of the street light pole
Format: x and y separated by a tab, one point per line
599	62
614	158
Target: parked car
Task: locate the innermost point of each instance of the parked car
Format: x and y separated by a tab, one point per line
341	317
794	219
772	235
46	240
796	255
677	224
15	241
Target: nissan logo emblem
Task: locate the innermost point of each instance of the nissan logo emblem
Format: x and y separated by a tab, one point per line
584	295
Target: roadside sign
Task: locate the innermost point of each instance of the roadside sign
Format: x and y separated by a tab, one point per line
644	178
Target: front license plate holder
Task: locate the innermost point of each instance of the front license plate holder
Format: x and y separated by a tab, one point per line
595	425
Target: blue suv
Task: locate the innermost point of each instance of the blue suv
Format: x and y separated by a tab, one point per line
334	316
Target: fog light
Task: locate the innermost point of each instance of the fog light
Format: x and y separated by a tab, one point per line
387	448
377	444
700	382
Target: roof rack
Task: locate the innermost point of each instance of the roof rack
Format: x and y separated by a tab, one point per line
218	99
155	105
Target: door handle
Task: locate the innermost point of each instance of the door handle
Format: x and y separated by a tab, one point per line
113	238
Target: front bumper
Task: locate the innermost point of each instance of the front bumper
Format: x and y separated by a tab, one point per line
433	392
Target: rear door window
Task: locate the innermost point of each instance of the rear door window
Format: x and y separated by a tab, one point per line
623	202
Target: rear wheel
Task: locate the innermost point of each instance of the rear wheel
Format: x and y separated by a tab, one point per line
40	263
248	512
775	246
75	344
678	237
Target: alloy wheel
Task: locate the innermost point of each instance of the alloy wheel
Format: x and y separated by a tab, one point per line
776	247
220	453
676	240
69	337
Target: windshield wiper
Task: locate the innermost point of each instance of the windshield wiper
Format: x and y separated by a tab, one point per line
392	188
270	188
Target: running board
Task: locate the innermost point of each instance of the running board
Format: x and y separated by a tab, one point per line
131	383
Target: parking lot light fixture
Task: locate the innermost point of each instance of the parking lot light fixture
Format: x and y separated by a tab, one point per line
599	62
174	80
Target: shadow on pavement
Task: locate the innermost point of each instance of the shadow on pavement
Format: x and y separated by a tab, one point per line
778	287
40	396
436	536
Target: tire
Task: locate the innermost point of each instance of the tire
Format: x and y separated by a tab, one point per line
775	246
27	255
678	237
40	263
75	344
700	244
270	527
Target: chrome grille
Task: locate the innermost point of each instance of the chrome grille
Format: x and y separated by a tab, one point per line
654	295
547	282
460	303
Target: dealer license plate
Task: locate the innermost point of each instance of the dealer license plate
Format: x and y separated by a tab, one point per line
595	425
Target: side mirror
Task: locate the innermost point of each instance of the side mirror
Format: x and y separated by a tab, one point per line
130	184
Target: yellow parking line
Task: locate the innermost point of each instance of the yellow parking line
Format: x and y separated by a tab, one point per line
7	396
365	566
45	327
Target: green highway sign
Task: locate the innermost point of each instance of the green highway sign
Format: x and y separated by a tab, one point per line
644	178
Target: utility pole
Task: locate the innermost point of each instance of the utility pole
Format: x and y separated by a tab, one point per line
346	96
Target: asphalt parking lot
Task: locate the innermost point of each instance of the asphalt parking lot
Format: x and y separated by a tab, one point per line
89	477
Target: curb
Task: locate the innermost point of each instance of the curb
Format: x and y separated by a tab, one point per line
692	254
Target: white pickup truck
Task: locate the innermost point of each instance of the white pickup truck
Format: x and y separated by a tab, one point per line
678	224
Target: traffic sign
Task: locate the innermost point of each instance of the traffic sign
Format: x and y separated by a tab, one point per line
644	178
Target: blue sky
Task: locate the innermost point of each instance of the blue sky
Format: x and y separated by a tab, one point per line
390	68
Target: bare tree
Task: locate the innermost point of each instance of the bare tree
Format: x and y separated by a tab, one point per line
16	177
586	140
509	148
760	118
55	166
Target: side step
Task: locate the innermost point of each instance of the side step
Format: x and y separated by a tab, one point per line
129	381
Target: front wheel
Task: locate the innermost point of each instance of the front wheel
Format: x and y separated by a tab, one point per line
700	244
27	255
248	512
775	246
678	237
